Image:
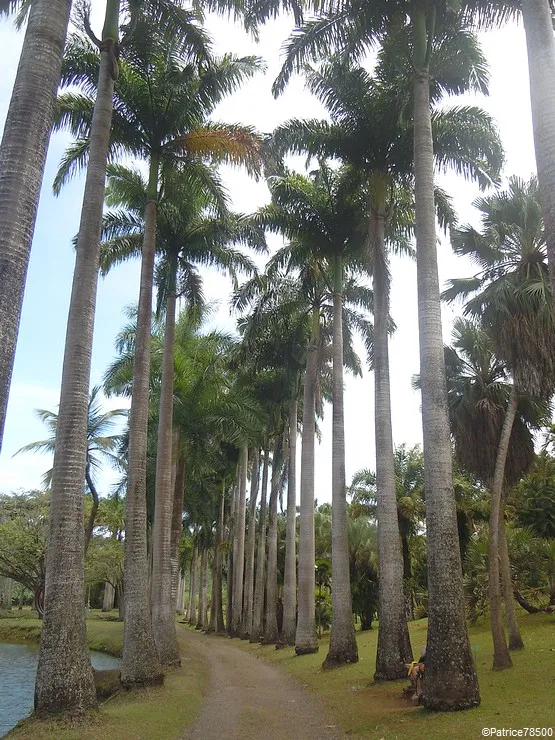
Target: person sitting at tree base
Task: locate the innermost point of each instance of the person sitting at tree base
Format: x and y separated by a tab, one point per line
416	671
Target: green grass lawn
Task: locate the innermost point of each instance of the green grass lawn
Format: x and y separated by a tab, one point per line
521	697
146	714
517	698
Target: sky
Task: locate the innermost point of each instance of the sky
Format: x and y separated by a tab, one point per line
37	371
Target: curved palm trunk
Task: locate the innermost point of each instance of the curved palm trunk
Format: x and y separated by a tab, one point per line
239	553
394	648
501	657
140	664
163	604
290	576
515	638
260	582
306	638
22	159
451	681
246	625
94	508
177	519
540	43
271	632
343	645
64	675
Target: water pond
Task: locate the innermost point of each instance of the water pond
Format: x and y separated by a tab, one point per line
18	667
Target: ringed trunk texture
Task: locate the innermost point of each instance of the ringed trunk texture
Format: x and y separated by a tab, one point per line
260	582
290	576
394	649
306	638
501	656
271	632
246	625
94	508
64	676
239	554
140	664
163	602
343	645
451	682
515	638
180	596
22	160
177	519
540	43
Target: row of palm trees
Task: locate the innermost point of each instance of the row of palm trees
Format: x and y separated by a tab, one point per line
150	97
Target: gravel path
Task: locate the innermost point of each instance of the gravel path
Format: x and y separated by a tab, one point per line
249	699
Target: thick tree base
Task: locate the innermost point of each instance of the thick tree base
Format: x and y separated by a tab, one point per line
107	683
339	659
307	649
142	683
393	674
516	643
445	704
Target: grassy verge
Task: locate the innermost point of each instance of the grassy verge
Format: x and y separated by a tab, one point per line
102	635
517	698
161	712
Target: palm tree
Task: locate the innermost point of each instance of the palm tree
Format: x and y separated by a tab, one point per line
100	446
194	228
538	26
157	85
478	393
296	305
511	299
418	28
22	160
325	212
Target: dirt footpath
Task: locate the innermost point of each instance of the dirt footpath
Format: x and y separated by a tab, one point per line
249	699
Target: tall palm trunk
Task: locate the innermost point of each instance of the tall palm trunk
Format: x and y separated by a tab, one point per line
343	645
501	656
451	681
290	576
394	648
239	554
177	516
246	625
271	632
306	639
260	582
22	159
180	596
540	43
140	664
64	675
163	605
89	527
216	615
193	588
201	619
515	638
